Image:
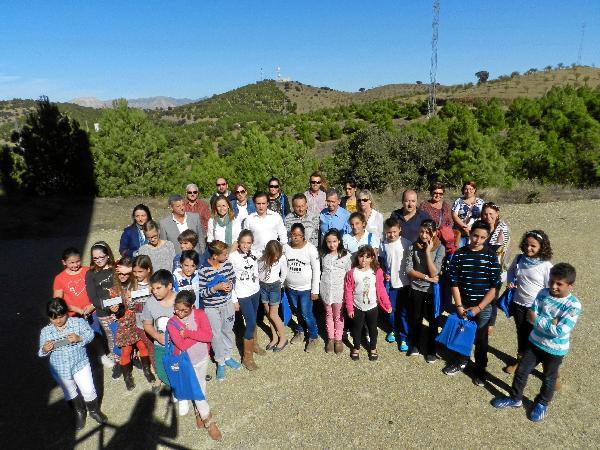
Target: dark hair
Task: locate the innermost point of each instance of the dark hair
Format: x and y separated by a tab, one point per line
436	185
545	253
298	226
213	208
104	247
245	233
357	215
481	225
430	225
366	250
274	179
491	205
188	236
188	298
216	247
70	251
351	182
190	254
564	271
174	198
143	262
141	207
260	194
125	261
392	222
341	249
299	197
56	307
162	276
468	183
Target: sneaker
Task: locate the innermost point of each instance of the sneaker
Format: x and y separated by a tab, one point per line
403	347
506	402
107	361
538	413
183	407
311	345
220	372
233	364
391	337
431	359
298	337
413	352
453	369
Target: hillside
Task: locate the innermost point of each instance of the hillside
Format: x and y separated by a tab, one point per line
152	103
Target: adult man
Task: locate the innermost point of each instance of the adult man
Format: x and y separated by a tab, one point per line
178	221
222	189
265	224
301	214
333	216
315	195
409	216
277	200
193	204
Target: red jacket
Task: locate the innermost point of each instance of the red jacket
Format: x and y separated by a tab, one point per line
383	299
202	333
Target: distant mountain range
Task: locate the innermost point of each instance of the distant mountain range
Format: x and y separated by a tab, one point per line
141	103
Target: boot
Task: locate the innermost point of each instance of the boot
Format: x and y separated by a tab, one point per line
248	360
255	347
117	370
128	377
558	384
511	369
78	406
210	425
95	413
338	347
147	369
330	346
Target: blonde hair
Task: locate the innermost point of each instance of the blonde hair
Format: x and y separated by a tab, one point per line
365	193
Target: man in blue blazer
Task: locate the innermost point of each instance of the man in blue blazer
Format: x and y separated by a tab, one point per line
178	221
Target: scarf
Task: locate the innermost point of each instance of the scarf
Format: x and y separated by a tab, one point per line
526	262
224	222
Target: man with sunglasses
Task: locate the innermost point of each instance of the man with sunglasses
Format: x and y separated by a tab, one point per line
193	204
278	202
222	189
315	195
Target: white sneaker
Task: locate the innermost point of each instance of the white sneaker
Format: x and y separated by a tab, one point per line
107	362
183	407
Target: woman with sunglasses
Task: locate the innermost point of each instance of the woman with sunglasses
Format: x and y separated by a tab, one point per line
440	212
278	202
242	205
366	205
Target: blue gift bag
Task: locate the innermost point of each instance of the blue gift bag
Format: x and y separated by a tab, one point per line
113	327
286	311
180	372
506	298
437	300
458	335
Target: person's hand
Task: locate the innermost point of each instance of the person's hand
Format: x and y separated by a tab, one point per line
429	248
351	314
73	338
435	279
461	311
314	297
531	316
236	306
88	309
234	247
474	311
161	339
114	308
223	286
182	332
387	277
48	347
511	285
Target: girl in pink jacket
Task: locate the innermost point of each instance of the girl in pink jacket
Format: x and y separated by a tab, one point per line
363	291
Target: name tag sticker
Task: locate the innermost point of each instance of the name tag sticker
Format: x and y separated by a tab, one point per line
112	301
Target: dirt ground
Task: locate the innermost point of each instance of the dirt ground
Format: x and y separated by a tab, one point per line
295	399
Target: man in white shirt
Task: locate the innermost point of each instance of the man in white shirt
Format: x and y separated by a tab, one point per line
265	225
178	221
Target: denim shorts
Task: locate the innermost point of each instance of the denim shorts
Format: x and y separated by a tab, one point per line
270	293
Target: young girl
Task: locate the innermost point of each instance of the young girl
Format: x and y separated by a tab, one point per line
336	262
190	331
161	252
140	293
185	277
64	341
223	225
246	294
423	266
360	236
216	283
272	270
70	284
530	272
363	291
101	284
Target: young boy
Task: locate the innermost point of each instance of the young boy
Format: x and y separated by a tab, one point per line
64	341
474	280
553	314
186	278
392	257
188	239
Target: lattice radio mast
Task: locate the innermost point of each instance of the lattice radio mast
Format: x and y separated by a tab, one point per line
581	44
431	105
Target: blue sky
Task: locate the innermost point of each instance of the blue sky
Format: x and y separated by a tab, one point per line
66	49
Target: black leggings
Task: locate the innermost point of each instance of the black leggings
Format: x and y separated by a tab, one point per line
421	306
524	328
360	317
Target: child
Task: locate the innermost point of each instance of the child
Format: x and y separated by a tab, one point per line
393	256
530	272
474	280
359	236
64	340
185	277
336	262
70	284
160	251
190	331
423	266
140	293
363	291
272	270
246	294
553	314
216	283
188	239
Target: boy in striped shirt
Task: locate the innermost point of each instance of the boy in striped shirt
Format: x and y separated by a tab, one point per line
553	314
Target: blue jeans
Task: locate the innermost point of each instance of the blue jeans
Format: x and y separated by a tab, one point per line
301	303
399	298
270	293
249	308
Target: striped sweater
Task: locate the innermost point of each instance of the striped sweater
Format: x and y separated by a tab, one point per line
547	335
474	273
209	277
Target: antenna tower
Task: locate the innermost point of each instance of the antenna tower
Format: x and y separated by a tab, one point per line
433	70
581	44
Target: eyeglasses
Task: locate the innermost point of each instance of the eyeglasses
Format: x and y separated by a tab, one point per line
221	184
240	192
365	200
314	182
192	192
99	258
274	186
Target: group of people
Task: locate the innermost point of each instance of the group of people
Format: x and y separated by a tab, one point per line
182	280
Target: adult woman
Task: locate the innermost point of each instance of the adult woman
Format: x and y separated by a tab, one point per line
160	251
349	202
366	205
242	206
465	211
133	236
440	212
223	225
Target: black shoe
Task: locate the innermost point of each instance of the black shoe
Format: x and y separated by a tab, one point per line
479	379
117	371
414	351
431	358
145	361
453	369
78	406
95	412
128	376
137	362
208	377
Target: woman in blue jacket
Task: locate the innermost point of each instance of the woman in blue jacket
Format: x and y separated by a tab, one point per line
133	237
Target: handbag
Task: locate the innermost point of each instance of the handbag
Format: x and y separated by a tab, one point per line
506	298
286	311
180	371
458	335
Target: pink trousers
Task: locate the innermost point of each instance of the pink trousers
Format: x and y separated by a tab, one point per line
334	321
